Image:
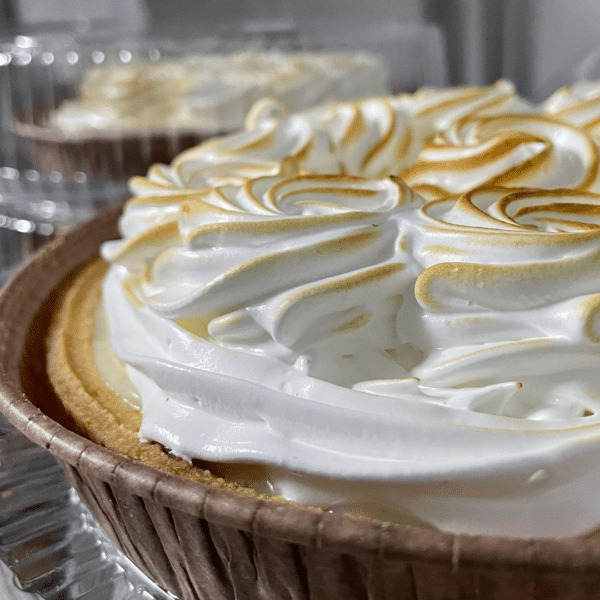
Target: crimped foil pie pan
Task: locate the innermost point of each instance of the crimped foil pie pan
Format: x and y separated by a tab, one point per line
201	542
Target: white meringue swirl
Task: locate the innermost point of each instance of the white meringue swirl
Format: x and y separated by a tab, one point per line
341	340
345	329
371	137
578	104
510	150
212	92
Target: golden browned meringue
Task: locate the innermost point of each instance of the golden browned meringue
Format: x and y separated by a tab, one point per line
430	351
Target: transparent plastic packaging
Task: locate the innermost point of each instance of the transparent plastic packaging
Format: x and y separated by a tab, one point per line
42	75
51	180
51	548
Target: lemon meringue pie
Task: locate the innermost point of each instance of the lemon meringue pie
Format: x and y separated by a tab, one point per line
387	307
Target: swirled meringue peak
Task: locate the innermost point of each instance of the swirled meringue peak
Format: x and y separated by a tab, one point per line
443	107
329	334
511	150
370	137
578	104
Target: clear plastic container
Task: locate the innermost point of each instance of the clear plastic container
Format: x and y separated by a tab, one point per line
103	112
52	179
50	546
35	210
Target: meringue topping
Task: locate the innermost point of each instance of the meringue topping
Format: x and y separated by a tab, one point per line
213	92
340	339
